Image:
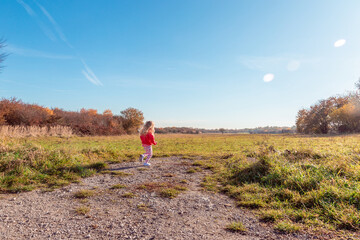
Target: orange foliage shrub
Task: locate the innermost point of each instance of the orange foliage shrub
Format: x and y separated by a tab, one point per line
14	112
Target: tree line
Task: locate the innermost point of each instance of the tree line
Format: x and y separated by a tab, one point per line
14	112
338	114
258	130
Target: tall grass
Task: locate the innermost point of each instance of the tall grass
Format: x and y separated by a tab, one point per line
35	131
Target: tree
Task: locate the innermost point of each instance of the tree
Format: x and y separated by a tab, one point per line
357	85
222	130
132	119
2	54
301	121
108	112
322	117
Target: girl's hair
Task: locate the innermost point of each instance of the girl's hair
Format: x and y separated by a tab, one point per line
147	126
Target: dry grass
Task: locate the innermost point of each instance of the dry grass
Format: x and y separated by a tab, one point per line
163	189
84	193
83	210
35	131
116	173
128	195
143	207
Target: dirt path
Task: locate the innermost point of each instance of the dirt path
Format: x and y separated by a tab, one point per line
134	212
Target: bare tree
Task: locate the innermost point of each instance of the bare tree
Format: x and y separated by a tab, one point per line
2	54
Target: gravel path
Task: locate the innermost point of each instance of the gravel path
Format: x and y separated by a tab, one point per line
144	214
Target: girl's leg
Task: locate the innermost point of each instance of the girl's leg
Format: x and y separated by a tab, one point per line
148	153
145	155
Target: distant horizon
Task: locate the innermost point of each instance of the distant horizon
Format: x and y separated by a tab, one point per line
203	64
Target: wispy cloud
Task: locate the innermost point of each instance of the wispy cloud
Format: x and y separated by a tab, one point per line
261	63
90	75
54	23
47	31
27	8
87	72
274	63
36	53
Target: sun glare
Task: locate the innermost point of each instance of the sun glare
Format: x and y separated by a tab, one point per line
340	43
268	77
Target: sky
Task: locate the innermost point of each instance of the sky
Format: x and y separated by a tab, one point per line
192	63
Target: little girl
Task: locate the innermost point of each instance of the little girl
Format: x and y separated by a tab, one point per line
147	139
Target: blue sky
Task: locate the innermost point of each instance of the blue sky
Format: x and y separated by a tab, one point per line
183	62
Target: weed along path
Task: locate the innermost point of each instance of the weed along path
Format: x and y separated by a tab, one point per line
128	201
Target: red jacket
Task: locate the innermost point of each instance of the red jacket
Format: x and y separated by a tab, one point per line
148	139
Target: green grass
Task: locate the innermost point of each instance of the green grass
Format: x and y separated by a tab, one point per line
287	227
169	193
236	227
307	180
271	215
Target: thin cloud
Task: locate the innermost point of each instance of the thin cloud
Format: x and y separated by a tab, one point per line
87	72
261	63
54	23
43	27
46	31
90	75
275	63
36	53
27	8
293	65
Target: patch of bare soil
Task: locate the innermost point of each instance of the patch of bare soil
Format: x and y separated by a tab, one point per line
130	201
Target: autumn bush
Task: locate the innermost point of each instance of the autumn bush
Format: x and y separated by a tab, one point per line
14	112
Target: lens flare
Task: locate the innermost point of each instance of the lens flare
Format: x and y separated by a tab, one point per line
340	43
268	77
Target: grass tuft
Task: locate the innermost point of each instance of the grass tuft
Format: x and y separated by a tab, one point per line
116	173
128	195
143	207
286	227
236	227
84	193
83	210
169	193
118	186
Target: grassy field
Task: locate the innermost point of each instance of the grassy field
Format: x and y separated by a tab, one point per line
296	182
